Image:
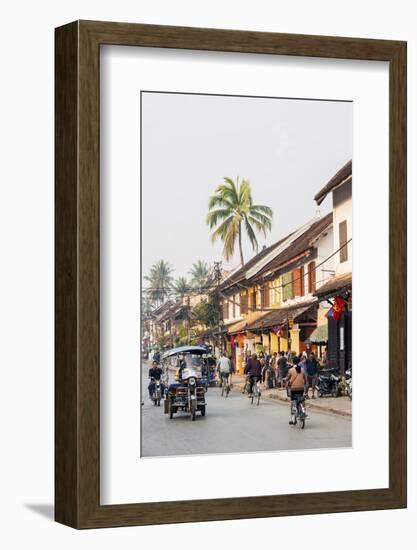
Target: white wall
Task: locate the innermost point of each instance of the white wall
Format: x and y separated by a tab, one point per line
26	403
342	212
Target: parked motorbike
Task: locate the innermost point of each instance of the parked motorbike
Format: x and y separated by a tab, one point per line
328	384
348	377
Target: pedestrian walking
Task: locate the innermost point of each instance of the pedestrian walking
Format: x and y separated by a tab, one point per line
282	364
311	369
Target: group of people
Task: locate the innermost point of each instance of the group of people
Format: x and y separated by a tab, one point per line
277	370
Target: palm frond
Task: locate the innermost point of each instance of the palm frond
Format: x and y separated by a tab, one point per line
263	209
251	235
215	216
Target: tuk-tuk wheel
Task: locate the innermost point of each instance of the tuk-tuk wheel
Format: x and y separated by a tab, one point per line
203	411
171	410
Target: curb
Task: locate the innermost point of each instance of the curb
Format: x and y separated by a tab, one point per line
309	405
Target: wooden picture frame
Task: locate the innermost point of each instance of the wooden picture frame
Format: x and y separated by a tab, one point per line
77	404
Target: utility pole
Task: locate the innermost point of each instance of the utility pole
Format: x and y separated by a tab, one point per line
218	277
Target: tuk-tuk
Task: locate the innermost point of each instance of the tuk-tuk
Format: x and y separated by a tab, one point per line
188	392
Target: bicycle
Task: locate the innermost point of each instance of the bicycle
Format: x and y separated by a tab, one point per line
256	393
225	384
246	385
298	412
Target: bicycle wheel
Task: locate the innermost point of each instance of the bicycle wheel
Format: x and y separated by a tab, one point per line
258	397
222	389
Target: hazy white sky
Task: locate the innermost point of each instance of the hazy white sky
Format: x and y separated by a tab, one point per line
288	149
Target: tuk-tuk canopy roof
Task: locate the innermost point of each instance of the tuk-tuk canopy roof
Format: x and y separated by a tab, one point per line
195	350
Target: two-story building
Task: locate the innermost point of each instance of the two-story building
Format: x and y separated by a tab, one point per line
336	295
269	303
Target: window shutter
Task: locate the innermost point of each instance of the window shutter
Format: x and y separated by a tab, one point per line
265	295
297	281
225	309
287	283
244	303
343	241
311	277
302	280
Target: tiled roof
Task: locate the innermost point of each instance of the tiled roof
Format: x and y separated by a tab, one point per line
336	180
299	246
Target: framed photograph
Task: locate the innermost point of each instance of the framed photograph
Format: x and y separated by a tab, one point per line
230	274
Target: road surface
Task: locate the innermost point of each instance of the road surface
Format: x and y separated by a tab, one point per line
233	425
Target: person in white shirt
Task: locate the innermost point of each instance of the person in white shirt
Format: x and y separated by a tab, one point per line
224	367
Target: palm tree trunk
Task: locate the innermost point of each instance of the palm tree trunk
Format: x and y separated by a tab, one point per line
240	244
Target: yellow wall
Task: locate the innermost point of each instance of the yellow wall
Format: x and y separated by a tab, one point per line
295	340
274	342
283	342
321	319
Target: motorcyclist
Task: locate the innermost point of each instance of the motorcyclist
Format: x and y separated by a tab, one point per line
155	373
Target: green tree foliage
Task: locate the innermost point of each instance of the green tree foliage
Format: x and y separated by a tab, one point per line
231	211
205	313
201	275
159	281
181	287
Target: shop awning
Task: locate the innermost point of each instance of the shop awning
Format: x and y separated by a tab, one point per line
335	285
320	335
275	318
244	324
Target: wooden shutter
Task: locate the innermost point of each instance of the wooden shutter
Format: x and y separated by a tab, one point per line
234	306
226	309
244	303
311	277
343	241
287	284
297	281
265	295
254	291
302	280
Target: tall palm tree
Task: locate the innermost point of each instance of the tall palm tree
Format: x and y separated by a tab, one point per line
201	274
231	209
181	287
159	281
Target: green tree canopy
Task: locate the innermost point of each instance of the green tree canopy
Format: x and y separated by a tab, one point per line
231	211
159	281
201	275
181	287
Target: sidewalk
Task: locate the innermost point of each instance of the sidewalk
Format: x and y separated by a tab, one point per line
341	406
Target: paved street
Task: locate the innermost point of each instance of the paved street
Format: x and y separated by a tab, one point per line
234	425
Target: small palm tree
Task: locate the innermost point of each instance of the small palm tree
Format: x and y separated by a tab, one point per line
231	209
201	274
147	306
159	281
181	287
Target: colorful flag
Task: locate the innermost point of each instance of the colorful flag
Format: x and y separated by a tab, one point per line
336	311
338	307
329	314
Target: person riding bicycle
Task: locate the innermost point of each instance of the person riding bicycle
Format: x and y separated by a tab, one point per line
224	367
296	381
254	370
155	373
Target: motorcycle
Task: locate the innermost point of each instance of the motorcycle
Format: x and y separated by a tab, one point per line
328	384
